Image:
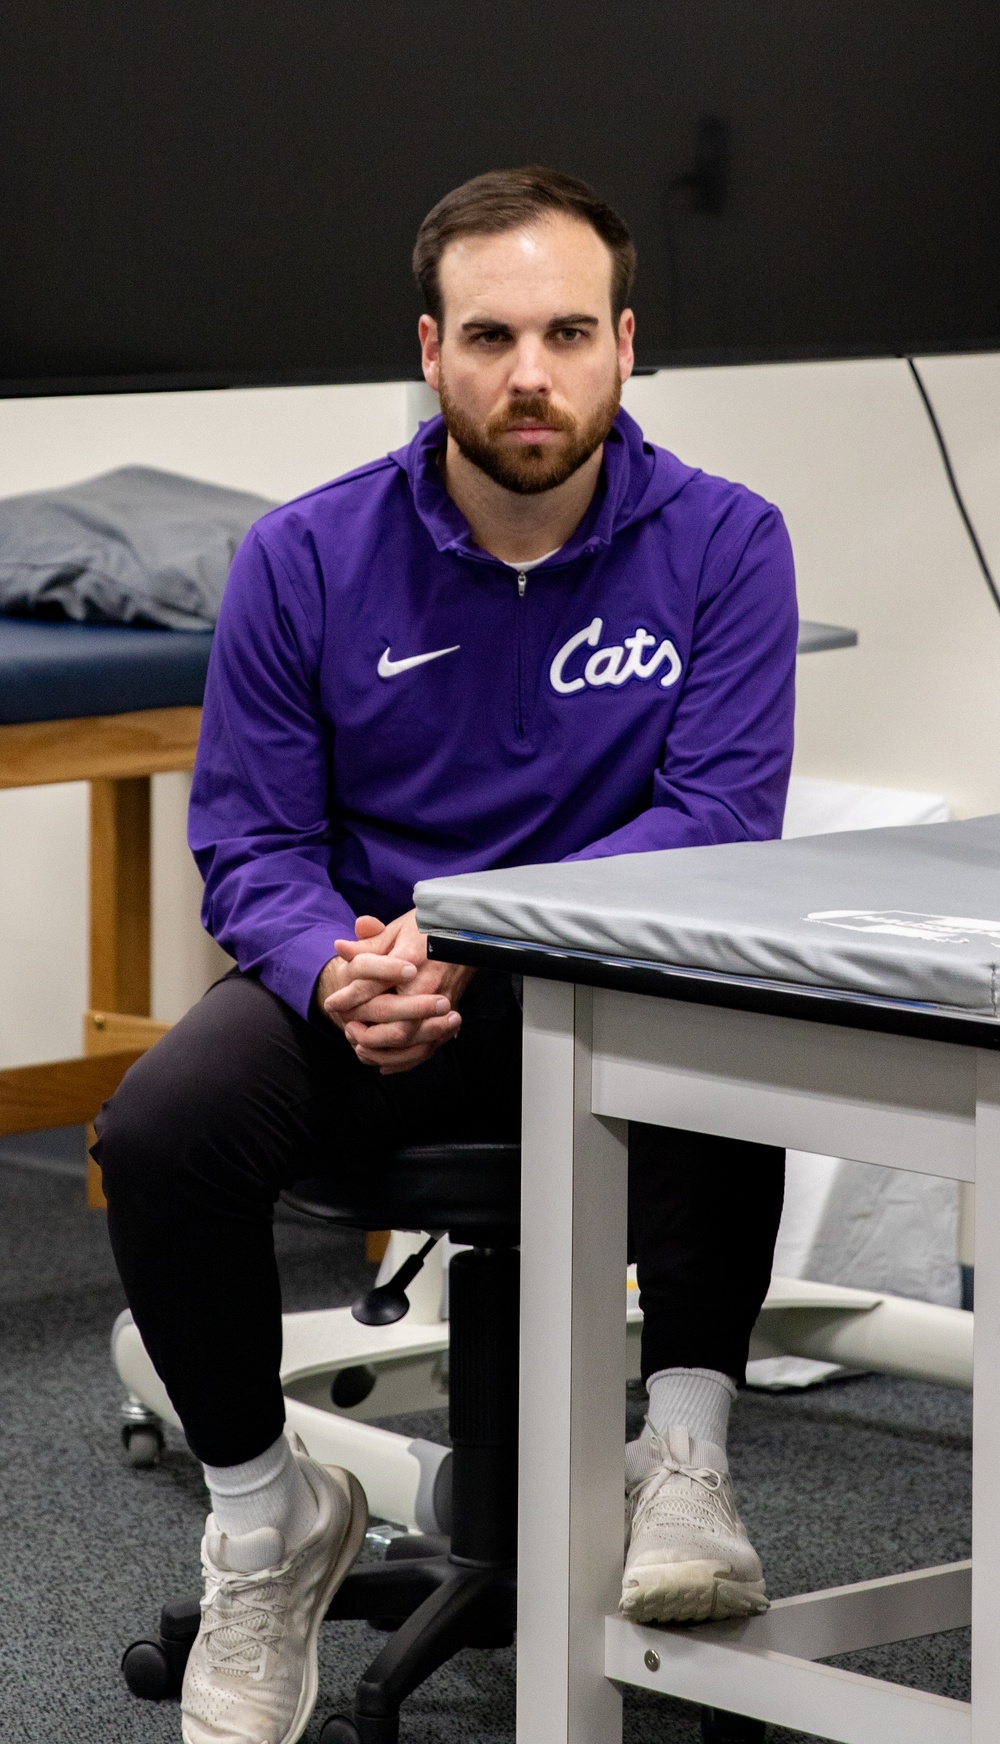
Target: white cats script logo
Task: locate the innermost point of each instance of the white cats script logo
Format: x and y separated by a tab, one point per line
614	665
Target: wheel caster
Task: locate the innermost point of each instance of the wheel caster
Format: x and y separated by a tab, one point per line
143	1445
339	1730
718	1727
154	1670
352	1386
148	1671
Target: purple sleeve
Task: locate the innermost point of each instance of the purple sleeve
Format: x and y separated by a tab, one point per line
259	823
724	775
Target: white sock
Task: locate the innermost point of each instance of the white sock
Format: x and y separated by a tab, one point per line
269	1491
700	1399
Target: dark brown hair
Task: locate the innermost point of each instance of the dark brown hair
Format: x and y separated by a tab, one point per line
502	200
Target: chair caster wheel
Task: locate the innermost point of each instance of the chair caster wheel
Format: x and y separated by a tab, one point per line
718	1727
340	1730
148	1671
143	1445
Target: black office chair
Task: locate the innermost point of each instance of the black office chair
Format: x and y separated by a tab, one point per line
436	1594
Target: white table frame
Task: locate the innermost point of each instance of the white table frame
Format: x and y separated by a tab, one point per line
593	1059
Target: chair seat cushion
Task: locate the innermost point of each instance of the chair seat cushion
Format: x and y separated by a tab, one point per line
471	1190
56	671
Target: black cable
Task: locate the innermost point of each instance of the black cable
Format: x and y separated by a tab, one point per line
952	480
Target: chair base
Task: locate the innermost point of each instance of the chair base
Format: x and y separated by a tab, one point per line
433	1605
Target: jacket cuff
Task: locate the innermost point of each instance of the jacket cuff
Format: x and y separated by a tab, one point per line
293	969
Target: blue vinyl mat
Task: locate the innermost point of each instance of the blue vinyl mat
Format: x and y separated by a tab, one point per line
56	671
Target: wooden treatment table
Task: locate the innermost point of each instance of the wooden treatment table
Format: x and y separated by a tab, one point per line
111	706
666	1033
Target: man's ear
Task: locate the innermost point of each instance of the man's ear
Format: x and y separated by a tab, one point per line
430	350
626	335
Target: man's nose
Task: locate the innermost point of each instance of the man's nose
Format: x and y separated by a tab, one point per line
529	373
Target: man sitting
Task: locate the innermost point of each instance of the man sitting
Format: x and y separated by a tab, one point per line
528	636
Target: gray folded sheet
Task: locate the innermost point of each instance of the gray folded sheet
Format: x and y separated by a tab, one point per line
907	914
134	546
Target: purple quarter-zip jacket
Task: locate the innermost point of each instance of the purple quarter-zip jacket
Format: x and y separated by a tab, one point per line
386	701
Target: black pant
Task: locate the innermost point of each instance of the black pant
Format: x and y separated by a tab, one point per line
243	1097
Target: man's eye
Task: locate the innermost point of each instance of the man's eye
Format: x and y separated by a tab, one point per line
493	337
569	335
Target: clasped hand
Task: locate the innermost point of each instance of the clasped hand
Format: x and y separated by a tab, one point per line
394	1006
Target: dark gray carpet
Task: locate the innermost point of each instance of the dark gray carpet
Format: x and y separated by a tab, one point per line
866	1478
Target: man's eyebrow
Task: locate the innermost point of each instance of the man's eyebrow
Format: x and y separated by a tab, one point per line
480	324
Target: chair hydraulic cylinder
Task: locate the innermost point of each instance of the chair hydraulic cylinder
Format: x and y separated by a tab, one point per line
483	1382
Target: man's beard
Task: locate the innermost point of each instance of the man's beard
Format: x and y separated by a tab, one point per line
532	467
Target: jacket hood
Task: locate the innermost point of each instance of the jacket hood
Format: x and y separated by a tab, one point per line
637	480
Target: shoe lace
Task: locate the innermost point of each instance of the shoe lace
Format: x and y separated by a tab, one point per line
242	1615
700	1503
680	1502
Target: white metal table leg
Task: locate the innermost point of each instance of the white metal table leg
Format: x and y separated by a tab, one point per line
573	1220
986	1410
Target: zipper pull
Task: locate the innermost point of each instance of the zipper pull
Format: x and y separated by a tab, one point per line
522	584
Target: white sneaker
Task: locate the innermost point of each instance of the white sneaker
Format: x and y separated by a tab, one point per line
251	1676
689	1557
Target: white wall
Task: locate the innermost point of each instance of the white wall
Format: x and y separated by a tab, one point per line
43	922
278	441
843	448
846	451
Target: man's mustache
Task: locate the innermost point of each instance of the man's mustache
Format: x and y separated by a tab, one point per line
534	407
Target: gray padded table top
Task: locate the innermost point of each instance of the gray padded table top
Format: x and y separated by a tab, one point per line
908	916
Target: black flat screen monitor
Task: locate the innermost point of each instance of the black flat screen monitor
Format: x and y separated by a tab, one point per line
212	192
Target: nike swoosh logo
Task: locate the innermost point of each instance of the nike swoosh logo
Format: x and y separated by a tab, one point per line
388	668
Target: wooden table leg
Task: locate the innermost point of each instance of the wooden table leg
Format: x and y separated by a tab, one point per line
95	1187
119	895
119	910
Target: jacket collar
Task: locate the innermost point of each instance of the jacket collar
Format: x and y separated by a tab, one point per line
624	479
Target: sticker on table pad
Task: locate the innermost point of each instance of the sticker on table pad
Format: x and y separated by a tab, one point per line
937	929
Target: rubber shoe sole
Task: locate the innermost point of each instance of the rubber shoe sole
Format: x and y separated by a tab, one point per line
688	1592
